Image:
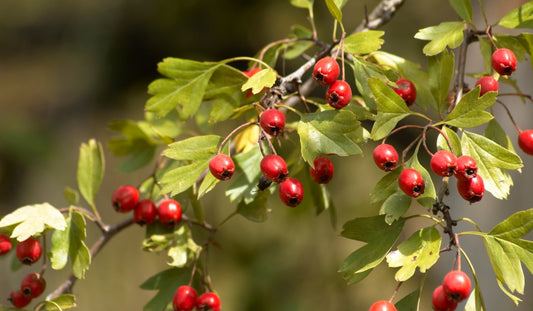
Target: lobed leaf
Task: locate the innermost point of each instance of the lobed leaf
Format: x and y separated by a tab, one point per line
469	112
521	17
183	247
329	132
446	34
69	243
260	80
32	220
420	250
91	166
364	42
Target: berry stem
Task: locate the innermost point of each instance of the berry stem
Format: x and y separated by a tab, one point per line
233	133
510	115
395	291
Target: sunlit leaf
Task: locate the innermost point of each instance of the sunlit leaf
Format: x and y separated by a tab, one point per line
521	17
446	34
420	250
32	220
260	80
91	166
469	112
454	141
364	42
183	247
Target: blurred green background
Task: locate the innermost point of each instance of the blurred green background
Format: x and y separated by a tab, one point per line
68	68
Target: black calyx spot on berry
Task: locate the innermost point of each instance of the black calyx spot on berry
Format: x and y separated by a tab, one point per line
507	71
294	201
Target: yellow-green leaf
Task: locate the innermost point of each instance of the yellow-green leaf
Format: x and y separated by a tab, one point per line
33	220
446	34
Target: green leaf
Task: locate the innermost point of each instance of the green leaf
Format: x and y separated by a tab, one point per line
409	302
334	10
64	302
454	139
527	41
440	73
410	71
244	187
521	17
386	186
363	71
428	197
321	197
329	132
185	87
420	250
474	301
387	100
91	166
197	152
380	237
364	42
517	44
395	206
469	112
71	196
32	220
304	4
463	8
165	282
207	185
260	80
69	244
385	123
491	159
183	247
445	34
256	210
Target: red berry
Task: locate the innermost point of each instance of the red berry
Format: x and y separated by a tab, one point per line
382	305
145	212
441	301
525	141
125	198
443	163
488	84
339	94
274	168
33	285
272	121
169	212
471	189
407	91
457	285
291	192
222	166
466	167
208	302
29	251
411	182
249	74
386	157
504	61
323	171
185	298
326	71
5	244
18	299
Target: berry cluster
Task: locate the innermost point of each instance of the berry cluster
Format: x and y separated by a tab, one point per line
186	299
31	286
455	288
126	198
326	72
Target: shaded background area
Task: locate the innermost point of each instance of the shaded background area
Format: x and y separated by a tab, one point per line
69	68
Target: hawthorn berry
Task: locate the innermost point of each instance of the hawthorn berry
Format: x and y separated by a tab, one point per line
339	94
504	61
382	305
185	298
525	141
407	91
385	157
18	299
291	192
323	170
466	167
272	121
326	71
208	302
222	166
441	301
33	285
471	189
29	250
169	212
5	244
487	84
125	198
274	168
456	285
145	212
411	182
443	163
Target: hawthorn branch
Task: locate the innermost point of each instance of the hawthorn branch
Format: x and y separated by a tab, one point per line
381	14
